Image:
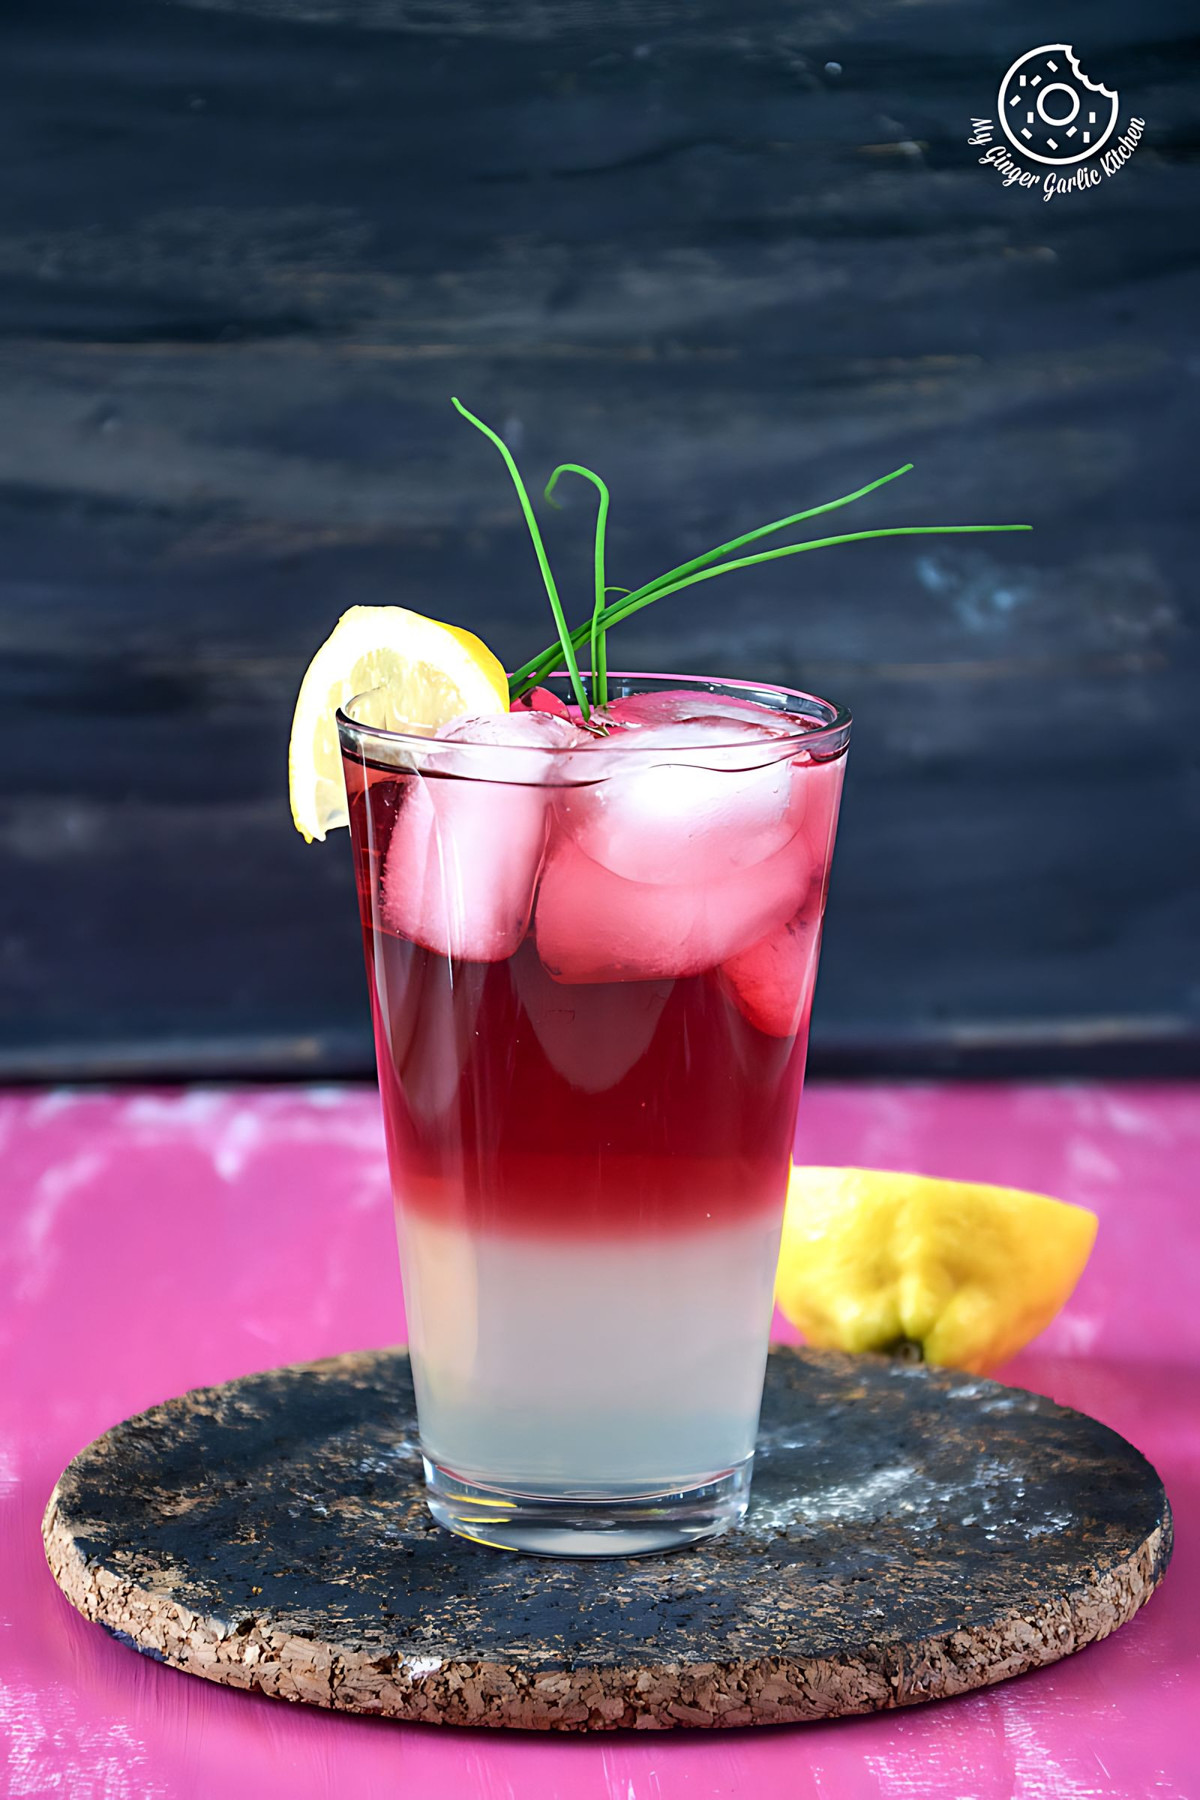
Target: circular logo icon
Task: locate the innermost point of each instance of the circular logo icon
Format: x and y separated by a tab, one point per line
1050	111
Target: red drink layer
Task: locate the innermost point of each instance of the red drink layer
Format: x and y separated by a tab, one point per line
529	1095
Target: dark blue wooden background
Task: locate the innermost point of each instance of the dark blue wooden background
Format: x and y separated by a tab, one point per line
247	250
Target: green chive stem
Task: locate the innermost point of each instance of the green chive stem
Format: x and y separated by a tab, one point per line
564	635
750	537
699	568
622	609
710	556
599	656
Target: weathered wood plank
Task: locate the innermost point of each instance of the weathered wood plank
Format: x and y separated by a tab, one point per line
248	252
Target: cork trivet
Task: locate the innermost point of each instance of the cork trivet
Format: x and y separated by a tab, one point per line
913	1533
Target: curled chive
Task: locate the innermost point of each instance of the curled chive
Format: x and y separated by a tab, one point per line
539	550
599	658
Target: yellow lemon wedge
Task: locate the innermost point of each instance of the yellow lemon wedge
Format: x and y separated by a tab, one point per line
428	673
873	1260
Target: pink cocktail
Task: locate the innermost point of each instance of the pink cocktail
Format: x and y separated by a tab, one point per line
591	960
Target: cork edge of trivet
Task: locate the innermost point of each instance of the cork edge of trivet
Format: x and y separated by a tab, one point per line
255	1655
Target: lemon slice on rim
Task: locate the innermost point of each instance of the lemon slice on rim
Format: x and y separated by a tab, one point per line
962	1273
431	673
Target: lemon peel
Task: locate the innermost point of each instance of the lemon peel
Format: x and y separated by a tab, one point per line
426	674
966	1272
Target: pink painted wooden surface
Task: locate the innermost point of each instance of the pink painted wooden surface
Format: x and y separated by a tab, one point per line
152	1242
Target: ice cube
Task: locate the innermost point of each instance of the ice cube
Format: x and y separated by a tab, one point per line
593	925
529	728
590	1035
540	699
685	706
684	803
460	871
771	983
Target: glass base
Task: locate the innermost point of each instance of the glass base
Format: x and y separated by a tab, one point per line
548	1524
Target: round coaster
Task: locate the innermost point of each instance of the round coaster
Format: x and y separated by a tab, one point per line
913	1533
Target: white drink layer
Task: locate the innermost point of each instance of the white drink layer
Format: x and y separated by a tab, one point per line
609	1367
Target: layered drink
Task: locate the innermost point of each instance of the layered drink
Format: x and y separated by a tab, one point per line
591	952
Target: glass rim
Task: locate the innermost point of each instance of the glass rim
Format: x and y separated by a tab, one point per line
836	726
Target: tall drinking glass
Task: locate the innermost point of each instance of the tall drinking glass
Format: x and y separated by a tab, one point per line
591	970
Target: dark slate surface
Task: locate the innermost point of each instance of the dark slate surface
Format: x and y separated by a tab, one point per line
891	1505
248	249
